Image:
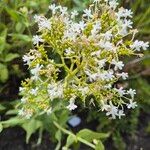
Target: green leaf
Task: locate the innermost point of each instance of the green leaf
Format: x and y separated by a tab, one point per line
30	127
12	122
19	27
148	128
100	146
2	107
32	4
13	14
89	135
119	141
3	72
3	35
70	140
11	112
58	136
1	127
22	37
11	56
63	117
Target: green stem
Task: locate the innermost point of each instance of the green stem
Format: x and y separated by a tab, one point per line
85	142
40	136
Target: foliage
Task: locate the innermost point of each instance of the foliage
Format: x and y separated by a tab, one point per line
55	125
16	27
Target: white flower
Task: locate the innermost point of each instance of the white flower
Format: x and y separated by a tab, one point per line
37	18
124	13
36	39
82	25
120	91
120	13
128	13
104	106
63	10
34	91
101	63
49	111
127	24
96	53
113	111
131	92
25	113
123	30
118	64
138	45
21	112
53	8
99	76
131	104
69	51
75	28
67	21
27	59
108	75
21	89
96	1
108	86
106	45
74	14
72	105
124	25
35	71
108	35
84	90
43	22
96	28
97	25
87	13
124	75
23	100
93	77
70	34
113	4
55	90
28	115
120	113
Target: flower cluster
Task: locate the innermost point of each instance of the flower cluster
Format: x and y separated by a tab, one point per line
75	62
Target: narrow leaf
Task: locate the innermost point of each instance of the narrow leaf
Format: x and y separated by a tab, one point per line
11	56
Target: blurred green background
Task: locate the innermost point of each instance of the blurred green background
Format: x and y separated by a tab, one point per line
16	29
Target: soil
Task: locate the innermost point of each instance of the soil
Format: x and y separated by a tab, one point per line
142	139
14	139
